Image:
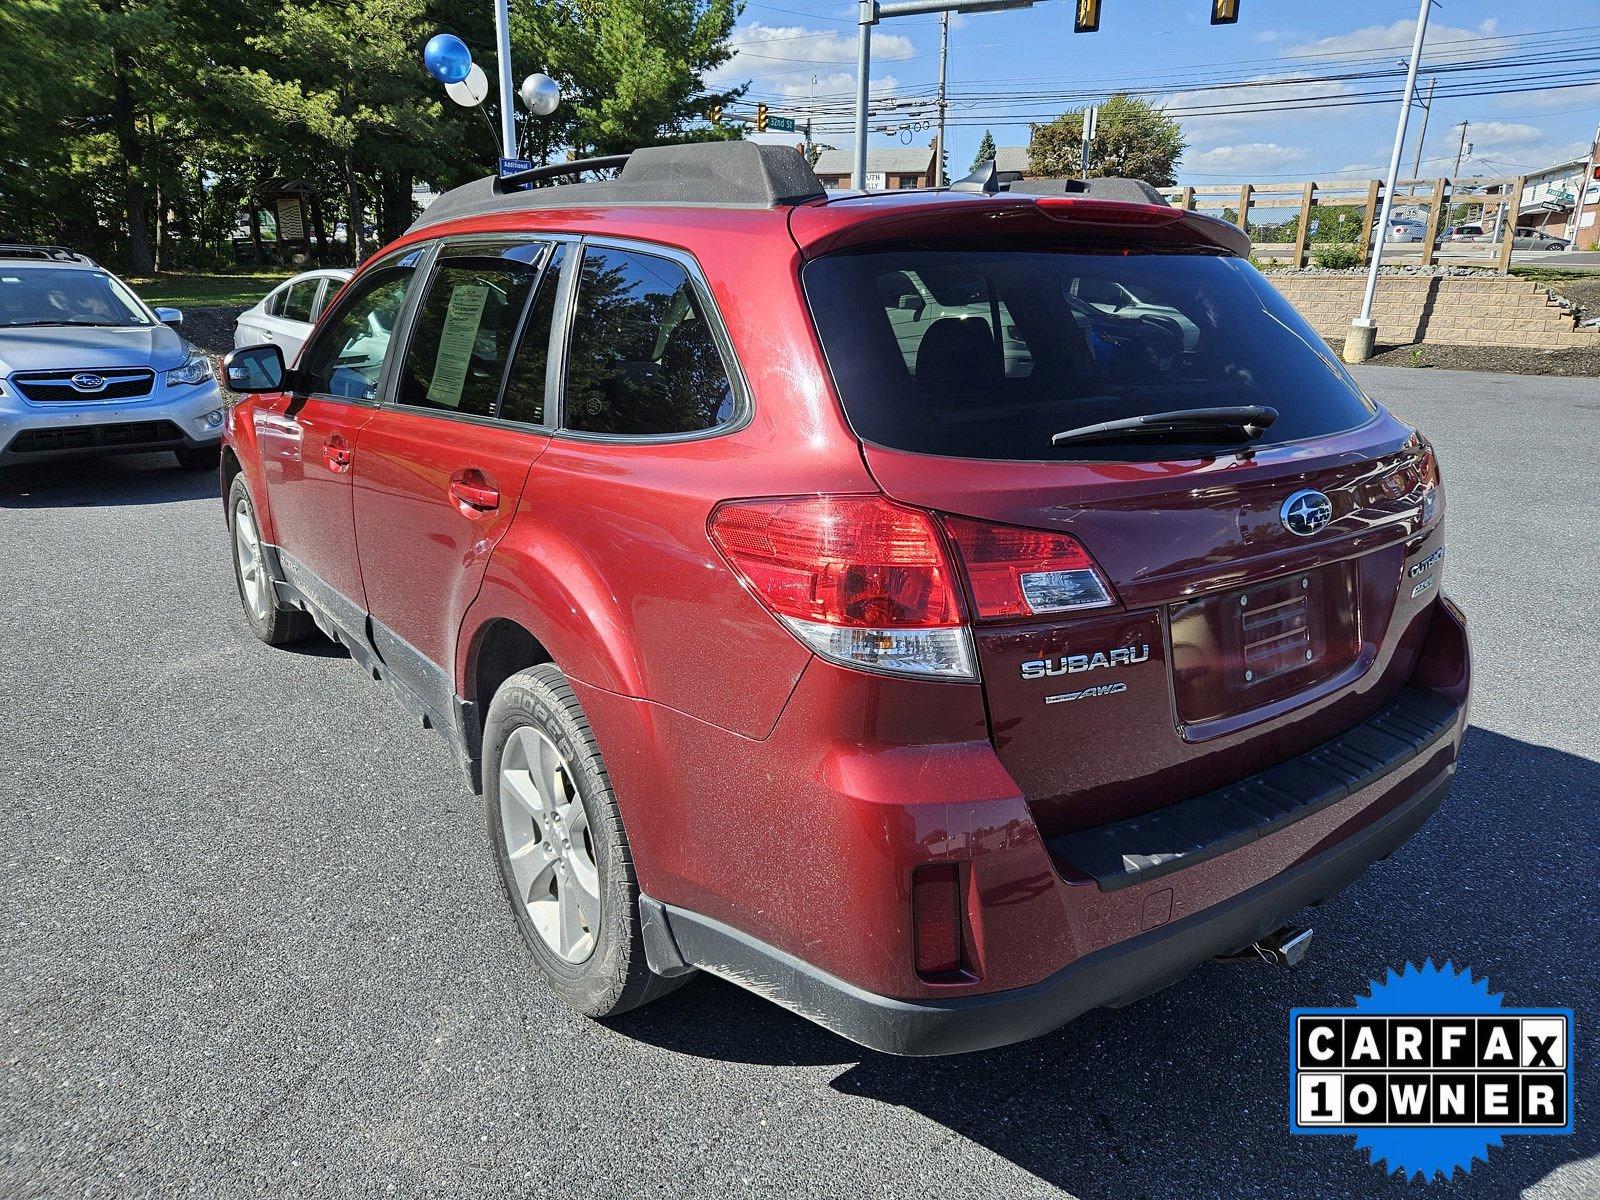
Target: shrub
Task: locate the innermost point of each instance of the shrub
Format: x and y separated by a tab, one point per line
1336	256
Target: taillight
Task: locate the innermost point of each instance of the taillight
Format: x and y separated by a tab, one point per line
936	920
861	580
1017	572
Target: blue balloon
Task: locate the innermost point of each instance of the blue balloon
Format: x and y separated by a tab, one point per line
447	58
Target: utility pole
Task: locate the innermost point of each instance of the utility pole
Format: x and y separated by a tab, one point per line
1583	192
1363	332
944	62
1460	149
1427	107
870	13
1091	123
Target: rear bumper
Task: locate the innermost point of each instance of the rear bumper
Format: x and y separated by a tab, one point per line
1116	975
1093	924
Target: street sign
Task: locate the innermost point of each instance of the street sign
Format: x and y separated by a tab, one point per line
511	166
780	124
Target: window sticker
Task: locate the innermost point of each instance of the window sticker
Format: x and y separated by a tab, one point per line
462	317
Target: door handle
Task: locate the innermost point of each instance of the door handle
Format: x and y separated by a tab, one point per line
337	453
472	492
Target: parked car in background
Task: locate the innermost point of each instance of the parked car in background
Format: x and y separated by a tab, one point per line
285	315
1405	230
841	595
1465	233
86	367
1527	238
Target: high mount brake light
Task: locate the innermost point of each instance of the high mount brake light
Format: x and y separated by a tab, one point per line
1017	572
1107	212
861	580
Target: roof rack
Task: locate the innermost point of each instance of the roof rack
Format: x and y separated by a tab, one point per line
46	253
703	174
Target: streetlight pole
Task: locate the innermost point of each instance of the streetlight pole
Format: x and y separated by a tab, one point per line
508	112
868	14
1363	333
944	63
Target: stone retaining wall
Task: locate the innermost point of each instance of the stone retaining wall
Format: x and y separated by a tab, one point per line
1448	310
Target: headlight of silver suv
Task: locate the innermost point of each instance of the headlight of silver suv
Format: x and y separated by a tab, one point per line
196	369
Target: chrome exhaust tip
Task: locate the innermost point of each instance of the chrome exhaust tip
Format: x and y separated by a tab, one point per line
1285	948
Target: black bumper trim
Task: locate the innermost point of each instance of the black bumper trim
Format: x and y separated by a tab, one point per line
1156	843
1116	975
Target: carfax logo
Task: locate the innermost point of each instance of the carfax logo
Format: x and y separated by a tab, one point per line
1430	1070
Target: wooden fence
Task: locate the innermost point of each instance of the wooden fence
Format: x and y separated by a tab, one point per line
1256	209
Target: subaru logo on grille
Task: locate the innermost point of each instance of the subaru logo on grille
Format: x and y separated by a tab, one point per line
1306	512
87	381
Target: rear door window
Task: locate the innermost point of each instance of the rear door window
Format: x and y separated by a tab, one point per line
300	301
987	353
642	358
466	324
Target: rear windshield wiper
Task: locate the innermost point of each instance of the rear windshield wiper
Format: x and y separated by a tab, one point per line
1248	421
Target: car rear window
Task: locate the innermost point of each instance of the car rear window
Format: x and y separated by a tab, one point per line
986	353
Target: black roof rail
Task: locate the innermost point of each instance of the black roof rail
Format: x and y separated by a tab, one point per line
701	174
47	253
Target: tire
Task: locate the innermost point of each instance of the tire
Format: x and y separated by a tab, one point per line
601	970
269	620
198	458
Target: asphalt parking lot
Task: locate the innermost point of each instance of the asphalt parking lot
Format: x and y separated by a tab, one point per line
253	943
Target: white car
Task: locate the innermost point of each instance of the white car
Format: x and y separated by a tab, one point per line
285	315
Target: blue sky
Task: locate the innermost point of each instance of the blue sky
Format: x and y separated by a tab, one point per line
800	57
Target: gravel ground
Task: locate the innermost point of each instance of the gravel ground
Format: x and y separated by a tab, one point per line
1504	360
253	943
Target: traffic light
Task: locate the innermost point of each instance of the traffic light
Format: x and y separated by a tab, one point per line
1088	18
1224	12
761	118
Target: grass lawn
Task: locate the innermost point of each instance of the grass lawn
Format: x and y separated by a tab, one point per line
200	291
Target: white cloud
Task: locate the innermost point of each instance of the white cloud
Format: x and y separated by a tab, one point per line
1565	99
1489	134
774	54
1441	40
1267	96
1249	156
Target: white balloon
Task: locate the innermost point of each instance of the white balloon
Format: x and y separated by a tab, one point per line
471	91
540	94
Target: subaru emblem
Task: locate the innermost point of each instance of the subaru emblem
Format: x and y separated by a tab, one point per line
85	381
1306	512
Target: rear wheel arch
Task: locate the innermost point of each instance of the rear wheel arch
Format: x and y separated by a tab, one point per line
500	648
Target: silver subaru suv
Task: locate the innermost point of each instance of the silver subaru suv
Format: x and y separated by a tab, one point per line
86	367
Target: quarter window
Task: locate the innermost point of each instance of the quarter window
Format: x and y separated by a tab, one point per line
466	325
642	358
346	356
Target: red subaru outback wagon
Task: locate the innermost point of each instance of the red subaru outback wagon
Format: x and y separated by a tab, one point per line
941	613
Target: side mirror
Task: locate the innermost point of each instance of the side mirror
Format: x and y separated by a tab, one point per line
254	369
911	303
170	316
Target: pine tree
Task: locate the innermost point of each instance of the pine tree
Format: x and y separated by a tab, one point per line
986	150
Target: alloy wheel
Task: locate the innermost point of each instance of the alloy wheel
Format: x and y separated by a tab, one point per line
549	845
